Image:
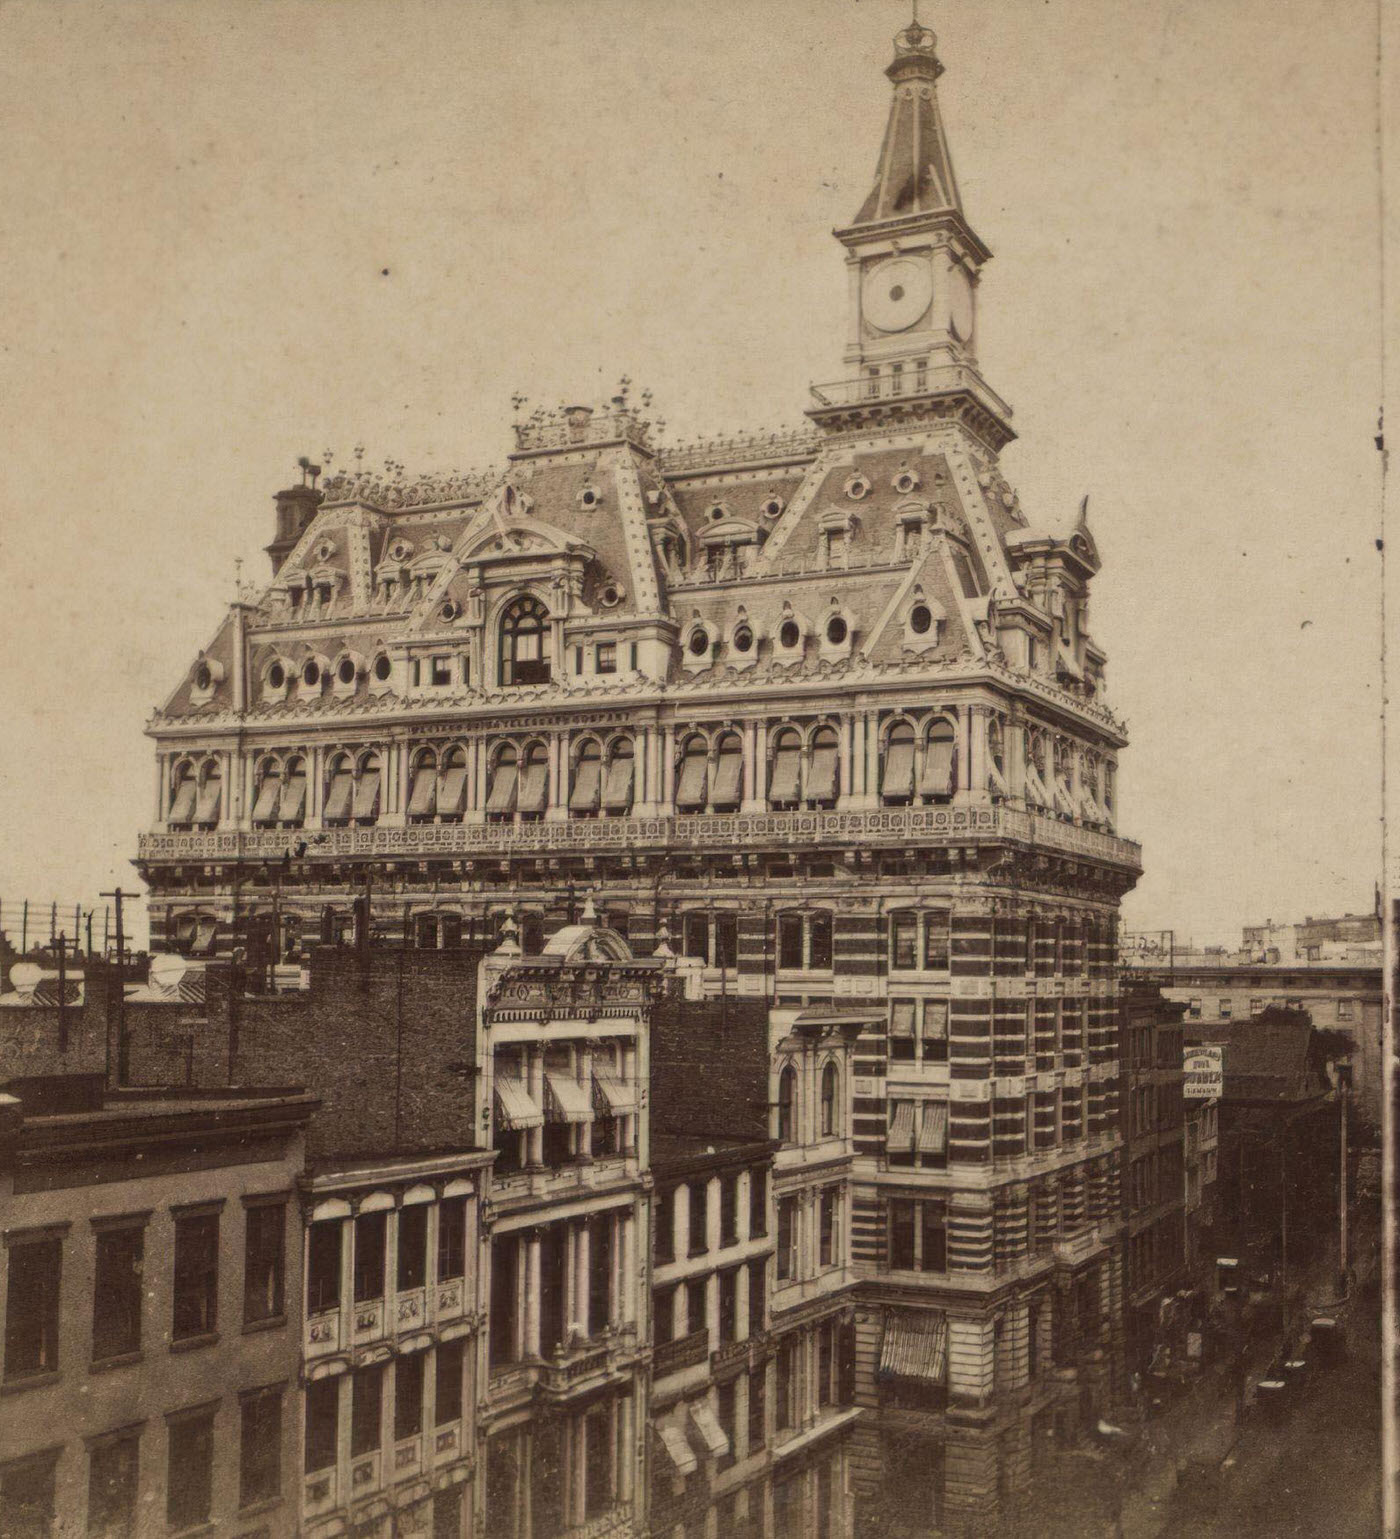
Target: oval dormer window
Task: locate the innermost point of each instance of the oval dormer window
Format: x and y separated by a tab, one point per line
203	679
589	497
920	619
276	676
772	507
699	641
381	668
611	596
790	634
858	487
346	671
311	673
836	631
743	639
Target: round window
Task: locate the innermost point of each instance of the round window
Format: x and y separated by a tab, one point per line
716	513
311	674
589	497
743	639
381	667
610	596
920	619
346	672
699	642
772	508
790	634
836	630
276	676
202	677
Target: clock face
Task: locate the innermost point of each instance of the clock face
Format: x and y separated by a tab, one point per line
897	293
960	305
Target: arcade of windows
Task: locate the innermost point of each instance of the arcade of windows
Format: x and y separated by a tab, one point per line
789	1126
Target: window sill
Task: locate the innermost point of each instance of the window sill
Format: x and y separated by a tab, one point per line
119	1360
271	1323
193	1344
36	1380
204	1526
256	1509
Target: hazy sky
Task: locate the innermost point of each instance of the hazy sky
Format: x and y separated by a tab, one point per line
236	233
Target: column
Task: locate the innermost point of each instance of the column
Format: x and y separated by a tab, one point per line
531	1317
1015	741
558	808
476	788
750	802
347	1280
668	770
315	785
585	1129
342	1436
626	1277
582	1274
760	765
391	1267
162	789
872	760
627	1451
978	749
534	1137
741	1304
845	758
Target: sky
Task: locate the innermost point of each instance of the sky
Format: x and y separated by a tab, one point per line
235	233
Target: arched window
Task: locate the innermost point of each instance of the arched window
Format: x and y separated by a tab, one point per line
184	792
897	771
268	797
785	778
366	806
824	768
452	784
787	1106
525	642
340	790
422	787
830	1088
729	774
618	782
940	777
534	782
691	780
587	789
505	783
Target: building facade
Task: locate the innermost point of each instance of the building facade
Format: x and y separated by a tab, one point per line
822	709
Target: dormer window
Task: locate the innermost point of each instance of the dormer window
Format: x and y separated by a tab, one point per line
277	676
383	669
699	642
605	659
743	638
920	619
311	673
345	671
790	635
836	631
905	481
836	533
526	646
439	671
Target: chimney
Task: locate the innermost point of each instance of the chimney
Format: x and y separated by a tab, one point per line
296	507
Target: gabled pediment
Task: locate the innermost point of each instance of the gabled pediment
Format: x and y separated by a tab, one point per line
521	537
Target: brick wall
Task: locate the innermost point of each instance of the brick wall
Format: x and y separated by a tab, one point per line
709	1067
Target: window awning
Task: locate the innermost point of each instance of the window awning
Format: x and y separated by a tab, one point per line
996	781
338	795
787	768
423	797
567	1100
933	1133
182	808
690	792
936	1018
902	1018
293	802
269	794
204	938
898	779
617	788
706	1423
900	1138
821	785
612	1095
452	790
940	765
210	794
915	1346
1035	786
674	1441
367	794
584	796
1063	800
515	1107
502	796
729	777
534	788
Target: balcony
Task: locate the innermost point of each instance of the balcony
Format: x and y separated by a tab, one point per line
408	1457
522	1184
447	1442
886	827
749	1353
319	1493
888	392
684	1352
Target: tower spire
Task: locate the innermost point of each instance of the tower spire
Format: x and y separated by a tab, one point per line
915	172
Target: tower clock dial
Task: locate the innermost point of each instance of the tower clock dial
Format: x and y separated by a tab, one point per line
897	293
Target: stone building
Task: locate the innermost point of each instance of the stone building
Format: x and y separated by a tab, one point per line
824	709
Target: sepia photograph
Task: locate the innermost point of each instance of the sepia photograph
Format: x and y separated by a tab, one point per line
695	706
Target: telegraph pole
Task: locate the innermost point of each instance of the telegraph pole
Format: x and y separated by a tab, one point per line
123	1048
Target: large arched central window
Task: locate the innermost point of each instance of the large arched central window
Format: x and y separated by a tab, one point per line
525	642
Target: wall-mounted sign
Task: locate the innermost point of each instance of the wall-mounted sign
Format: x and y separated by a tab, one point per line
1205	1073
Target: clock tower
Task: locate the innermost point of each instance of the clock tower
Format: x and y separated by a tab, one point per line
914	261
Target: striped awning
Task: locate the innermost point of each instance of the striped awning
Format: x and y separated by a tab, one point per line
821	783
452	790
787	767
915	1345
567	1100
269	794
898	778
674	1441
367	794
210	794
612	1094
940	767
729	775
182	808
713	1436
502	796
423	797
293	803
902	1018
587	777
515	1107
339	794
690	790
534	788
900	1139
933	1131
617	786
